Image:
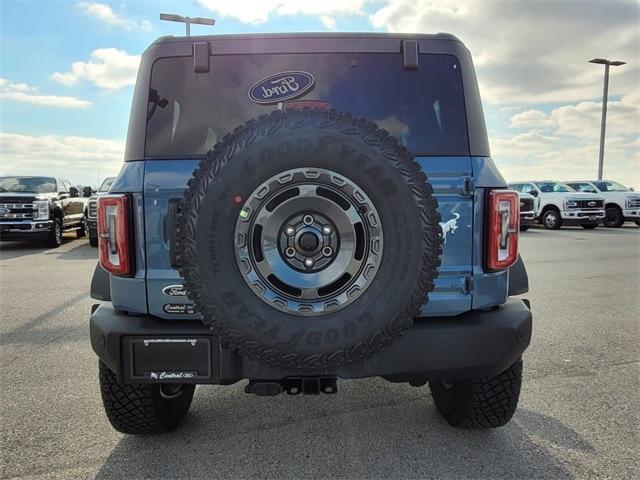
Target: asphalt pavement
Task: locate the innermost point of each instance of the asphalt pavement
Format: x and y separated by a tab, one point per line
579	414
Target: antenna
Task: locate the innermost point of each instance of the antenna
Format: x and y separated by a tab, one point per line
170	17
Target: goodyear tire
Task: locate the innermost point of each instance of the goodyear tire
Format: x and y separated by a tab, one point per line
308	239
485	402
143	409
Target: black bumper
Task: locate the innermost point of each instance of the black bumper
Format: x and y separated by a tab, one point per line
139	348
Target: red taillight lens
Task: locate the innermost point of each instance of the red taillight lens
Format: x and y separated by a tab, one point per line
113	234
502	229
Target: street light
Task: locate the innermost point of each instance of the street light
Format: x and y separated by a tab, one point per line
170	17
605	94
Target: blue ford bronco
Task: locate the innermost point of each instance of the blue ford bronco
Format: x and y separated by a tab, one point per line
297	209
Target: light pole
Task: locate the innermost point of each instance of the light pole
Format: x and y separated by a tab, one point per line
605	95
188	21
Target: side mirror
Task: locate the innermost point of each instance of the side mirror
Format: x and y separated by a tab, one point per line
87	192
73	192
534	193
632	189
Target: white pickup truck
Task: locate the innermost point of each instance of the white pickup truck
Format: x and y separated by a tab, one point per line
621	203
557	204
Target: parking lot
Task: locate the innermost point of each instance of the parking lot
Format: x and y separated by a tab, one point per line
578	416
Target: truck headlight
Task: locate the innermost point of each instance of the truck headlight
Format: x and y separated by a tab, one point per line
41	210
571	203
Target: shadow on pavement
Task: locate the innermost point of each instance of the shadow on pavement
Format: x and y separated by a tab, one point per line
355	434
81	251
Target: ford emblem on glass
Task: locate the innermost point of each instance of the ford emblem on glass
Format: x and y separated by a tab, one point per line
280	87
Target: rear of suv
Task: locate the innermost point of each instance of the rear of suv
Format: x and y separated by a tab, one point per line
298	209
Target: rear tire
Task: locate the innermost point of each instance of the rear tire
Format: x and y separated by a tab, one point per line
55	234
143	409
613	217
551	220
82	231
93	240
589	226
481	402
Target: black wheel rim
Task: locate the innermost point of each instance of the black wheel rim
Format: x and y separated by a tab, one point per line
611	218
308	241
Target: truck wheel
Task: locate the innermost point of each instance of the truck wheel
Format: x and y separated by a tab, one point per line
292	231
613	217
551	220
93	240
140	409
481	402
82	231
54	239
589	226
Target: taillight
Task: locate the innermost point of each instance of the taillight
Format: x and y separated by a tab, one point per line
113	234
502	229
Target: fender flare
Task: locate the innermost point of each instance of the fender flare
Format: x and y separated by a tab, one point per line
100	284
518	278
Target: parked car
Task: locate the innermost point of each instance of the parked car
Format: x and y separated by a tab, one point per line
558	204
92	210
298	208
40	208
527	211
621	203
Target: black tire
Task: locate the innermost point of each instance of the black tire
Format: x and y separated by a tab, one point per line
589	226
143	409
82	231
479	403
318	141
613	217
524	228
54	240
93	240
551	219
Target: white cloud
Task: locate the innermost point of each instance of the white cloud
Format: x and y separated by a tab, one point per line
531	119
564	144
532	52
83	160
105	13
259	11
108	68
21	92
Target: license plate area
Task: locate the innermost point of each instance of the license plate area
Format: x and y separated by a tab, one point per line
168	359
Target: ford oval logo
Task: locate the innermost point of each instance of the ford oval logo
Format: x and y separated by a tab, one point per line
280	87
174	291
591	204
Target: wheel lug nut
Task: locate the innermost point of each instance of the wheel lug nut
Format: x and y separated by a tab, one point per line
308	262
326	230
290	252
307	219
290	231
327	251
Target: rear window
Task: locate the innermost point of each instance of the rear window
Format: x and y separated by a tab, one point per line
424	108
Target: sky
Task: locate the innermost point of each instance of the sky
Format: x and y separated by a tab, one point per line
67	70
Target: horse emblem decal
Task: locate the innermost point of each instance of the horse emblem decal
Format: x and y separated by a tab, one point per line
449	227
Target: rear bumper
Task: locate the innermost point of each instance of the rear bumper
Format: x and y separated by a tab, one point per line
25	229
474	344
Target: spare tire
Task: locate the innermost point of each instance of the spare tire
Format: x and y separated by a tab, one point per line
308	239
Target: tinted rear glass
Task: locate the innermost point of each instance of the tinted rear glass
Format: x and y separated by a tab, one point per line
424	108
